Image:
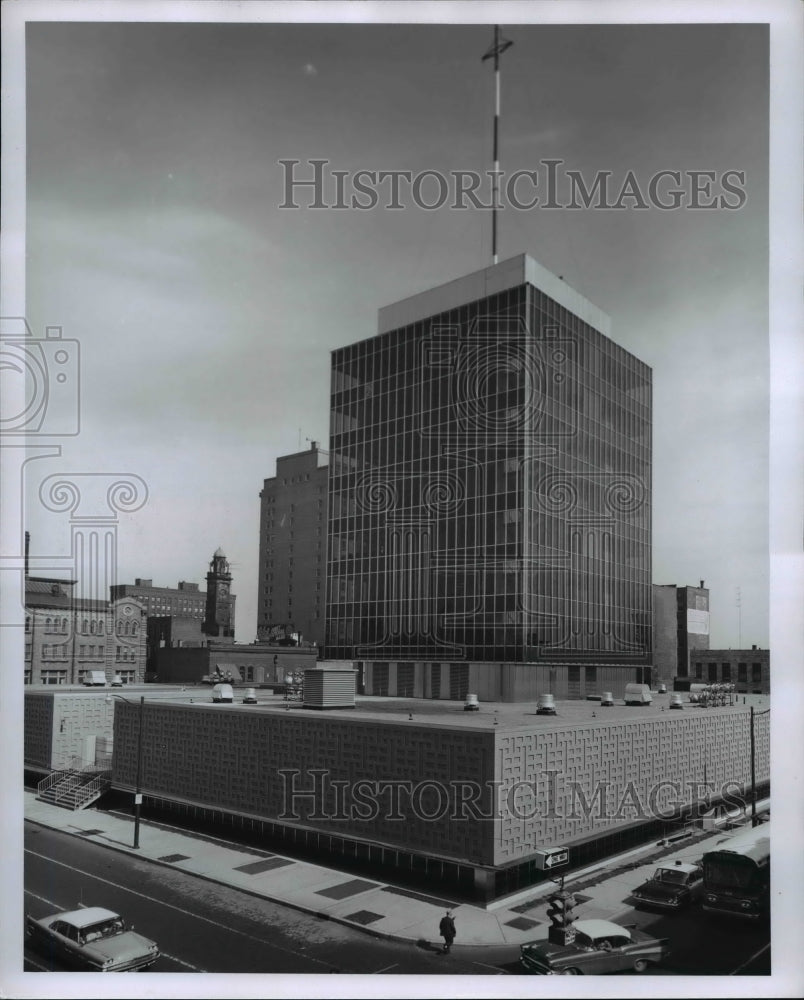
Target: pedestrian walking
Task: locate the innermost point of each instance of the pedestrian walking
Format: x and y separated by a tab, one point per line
447	930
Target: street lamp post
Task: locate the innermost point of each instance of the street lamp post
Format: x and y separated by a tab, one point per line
753	768
138	783
138	789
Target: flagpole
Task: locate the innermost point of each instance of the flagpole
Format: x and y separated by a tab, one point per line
496	143
496	50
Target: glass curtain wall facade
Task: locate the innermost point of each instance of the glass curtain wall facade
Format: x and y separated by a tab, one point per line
490	490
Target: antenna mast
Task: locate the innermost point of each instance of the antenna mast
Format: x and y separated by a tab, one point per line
498	47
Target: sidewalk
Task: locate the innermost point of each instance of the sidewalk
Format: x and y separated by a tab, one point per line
361	903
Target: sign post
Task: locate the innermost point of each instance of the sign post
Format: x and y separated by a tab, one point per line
551	857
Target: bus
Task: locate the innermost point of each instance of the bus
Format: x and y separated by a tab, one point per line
737	874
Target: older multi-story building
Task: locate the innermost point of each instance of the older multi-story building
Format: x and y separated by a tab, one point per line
293	548
680	628
185	600
66	637
747	669
185	616
490	494
171	632
692	608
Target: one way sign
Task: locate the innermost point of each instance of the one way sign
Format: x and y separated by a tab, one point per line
551	857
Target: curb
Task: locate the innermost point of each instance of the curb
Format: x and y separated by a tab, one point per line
309	911
218	881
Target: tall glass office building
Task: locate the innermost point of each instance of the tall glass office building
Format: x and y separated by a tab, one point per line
490	494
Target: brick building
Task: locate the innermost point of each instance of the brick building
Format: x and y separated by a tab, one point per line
185	616
692	604
747	669
680	628
183	600
66	637
258	663
293	549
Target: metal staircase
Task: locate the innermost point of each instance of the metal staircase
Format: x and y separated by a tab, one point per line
75	786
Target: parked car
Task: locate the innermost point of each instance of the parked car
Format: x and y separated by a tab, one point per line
672	886
600	946
93	939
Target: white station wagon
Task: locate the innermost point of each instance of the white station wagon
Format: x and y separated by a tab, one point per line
93	939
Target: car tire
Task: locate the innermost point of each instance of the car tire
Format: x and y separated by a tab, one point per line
641	965
572	972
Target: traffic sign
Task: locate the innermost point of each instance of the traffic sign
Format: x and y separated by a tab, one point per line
551	857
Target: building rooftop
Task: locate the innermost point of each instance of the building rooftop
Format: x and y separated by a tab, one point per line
500	716
491	280
183	589
507	715
45	584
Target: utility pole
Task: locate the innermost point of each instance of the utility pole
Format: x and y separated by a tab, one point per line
138	791
138	780
753	775
498	47
754	820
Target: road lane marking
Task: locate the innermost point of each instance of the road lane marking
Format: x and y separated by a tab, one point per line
30	961
42	899
751	959
58	906
379	972
178	909
178	961
487	966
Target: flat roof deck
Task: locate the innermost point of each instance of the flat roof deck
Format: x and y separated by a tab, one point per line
427	712
490	715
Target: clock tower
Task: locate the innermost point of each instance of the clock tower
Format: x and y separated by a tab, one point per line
219	621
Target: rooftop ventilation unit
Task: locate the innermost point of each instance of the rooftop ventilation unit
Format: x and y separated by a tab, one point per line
330	687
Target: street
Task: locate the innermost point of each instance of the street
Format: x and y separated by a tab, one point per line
202	926
706	944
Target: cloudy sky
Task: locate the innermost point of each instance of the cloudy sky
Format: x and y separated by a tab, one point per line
206	313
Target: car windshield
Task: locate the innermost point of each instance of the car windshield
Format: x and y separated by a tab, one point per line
670	875
734	875
103	929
